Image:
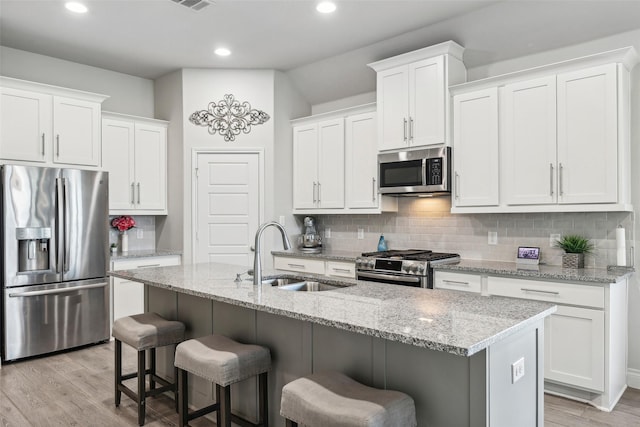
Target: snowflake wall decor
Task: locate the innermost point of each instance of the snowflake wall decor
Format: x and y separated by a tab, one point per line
229	117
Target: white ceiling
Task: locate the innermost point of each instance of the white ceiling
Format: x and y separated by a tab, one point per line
325	55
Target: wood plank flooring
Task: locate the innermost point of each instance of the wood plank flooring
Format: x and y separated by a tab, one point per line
76	389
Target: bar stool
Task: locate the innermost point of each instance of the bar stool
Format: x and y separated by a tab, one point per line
145	331
333	399
222	361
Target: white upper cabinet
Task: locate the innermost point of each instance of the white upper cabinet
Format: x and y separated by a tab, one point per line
530	142
335	163
134	151
564	137
49	125
412	96
475	176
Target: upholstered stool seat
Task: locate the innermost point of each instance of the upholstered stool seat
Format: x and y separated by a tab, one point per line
332	399
143	332
222	361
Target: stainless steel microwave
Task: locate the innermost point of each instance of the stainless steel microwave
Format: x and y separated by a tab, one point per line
415	172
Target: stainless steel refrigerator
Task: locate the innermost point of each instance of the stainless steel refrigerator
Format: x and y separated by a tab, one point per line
54	233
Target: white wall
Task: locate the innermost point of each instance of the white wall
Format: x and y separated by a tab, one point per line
127	94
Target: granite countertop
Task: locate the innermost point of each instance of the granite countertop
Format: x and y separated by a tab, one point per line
144	254
455	322
327	254
554	272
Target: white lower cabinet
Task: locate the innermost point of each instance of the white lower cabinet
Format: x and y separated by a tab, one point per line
316	266
127	295
457	281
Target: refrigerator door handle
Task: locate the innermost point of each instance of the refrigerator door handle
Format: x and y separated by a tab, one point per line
59	225
57	291
65	214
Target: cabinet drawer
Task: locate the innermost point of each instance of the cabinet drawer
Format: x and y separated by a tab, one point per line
457	281
146	262
341	269
299	264
558	292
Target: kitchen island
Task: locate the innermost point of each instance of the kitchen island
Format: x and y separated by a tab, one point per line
452	352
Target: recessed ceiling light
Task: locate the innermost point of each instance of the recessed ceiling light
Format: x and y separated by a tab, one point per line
222	51
326	7
76	7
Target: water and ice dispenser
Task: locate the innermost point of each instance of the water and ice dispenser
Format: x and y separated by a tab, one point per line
33	248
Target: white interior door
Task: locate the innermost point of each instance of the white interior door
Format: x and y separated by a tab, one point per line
227	207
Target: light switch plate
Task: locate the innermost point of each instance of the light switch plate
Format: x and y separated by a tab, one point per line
139	233
360	233
553	238
492	238
281	220
327	233
517	370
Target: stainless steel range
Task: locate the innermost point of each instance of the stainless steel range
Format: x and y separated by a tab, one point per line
410	267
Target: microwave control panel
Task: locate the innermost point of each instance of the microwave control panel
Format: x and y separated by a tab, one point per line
434	171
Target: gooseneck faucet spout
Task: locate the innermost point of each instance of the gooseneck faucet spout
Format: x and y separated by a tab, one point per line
257	266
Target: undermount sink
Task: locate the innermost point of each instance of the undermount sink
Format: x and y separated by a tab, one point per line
292	284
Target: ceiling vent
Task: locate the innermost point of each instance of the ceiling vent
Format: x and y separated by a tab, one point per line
194	4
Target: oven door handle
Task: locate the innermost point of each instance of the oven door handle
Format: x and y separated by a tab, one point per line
413	279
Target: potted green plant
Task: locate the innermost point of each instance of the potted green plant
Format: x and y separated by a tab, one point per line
575	248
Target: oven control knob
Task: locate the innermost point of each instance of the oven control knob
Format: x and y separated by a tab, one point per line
371	264
420	268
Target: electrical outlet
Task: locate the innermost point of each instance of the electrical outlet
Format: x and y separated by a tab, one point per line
139	233
517	370
360	233
327	233
492	238
281	220
553	238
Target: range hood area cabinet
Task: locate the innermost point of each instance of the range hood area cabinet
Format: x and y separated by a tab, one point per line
46	125
413	96
335	164
134	151
549	139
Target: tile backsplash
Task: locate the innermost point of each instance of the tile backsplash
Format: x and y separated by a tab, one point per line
429	224
145	224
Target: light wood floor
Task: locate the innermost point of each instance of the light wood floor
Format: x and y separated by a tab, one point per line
76	389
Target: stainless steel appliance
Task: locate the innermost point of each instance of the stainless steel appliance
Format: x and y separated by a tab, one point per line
54	237
411	173
410	267
310	240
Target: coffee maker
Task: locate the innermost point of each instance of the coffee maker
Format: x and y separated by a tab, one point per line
310	240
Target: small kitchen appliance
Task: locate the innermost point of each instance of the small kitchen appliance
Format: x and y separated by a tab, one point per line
310	241
412	267
415	172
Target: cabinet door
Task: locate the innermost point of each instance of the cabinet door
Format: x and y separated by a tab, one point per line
588	136
150	167
475	148
118	158
530	142
427	102
331	164
574	347
76	131
128	298
361	164
25	125
393	108
305	166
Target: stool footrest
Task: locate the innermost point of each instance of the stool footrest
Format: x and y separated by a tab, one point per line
244	423
204	411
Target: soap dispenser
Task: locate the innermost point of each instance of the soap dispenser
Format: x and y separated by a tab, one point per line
382	244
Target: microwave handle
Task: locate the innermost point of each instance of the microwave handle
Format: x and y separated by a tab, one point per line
424	171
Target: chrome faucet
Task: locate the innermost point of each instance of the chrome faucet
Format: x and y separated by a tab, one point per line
257	267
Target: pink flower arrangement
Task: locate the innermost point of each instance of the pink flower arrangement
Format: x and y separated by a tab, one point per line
123	223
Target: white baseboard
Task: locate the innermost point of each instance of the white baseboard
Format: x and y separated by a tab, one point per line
633	378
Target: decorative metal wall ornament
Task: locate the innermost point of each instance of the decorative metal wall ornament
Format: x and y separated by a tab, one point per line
229	117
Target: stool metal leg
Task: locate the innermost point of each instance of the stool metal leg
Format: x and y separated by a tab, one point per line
152	362
263	400
224	400
183	404
141	387
118	369
176	390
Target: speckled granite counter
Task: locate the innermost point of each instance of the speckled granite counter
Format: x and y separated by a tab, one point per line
144	254
552	272
327	254
450	321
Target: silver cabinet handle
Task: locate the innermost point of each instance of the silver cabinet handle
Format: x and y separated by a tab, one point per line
456	185
551	179
455	282
410	129
314	191
133	193
56	291
373	188
561	190
43	144
57	145
405	129
319	191
539	291
138	193
297	266
342	270
148	266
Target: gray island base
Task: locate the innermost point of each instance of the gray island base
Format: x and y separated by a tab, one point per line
454	353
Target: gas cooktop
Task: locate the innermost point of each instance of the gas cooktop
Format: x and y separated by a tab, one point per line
410	254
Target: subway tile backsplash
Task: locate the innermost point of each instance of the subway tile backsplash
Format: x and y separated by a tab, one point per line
143	222
429	224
